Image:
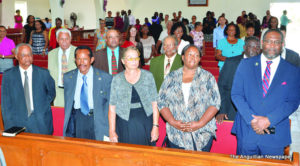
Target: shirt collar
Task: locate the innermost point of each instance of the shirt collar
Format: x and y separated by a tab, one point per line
110	50
29	69
283	53
172	58
60	51
89	74
264	59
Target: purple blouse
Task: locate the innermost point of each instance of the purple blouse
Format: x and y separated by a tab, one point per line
6	46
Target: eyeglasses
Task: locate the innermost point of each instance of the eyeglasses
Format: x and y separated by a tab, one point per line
133	59
276	42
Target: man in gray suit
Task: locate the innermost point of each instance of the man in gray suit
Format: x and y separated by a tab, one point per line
86	92
27	92
60	61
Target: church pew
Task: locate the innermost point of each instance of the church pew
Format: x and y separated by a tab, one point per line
34	149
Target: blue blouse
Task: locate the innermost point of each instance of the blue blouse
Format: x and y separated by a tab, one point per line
230	50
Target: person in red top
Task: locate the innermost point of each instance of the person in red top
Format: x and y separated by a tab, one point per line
133	39
52	34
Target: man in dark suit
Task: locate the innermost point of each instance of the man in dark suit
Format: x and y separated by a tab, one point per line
289	55
164	64
228	110
265	92
86	92
109	59
27	92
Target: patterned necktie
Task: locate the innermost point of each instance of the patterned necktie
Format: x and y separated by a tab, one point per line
84	106
64	64
167	69
266	78
114	69
26	93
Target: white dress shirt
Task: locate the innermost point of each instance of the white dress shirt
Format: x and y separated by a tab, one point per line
274	66
166	62
89	81
29	75
60	52
131	19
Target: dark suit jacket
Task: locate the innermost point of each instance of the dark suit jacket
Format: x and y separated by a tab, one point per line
13	104
157	68
101	94
101	61
292	57
281	101
225	84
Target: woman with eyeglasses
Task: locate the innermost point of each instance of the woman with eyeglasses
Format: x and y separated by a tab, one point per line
133	114
133	39
100	35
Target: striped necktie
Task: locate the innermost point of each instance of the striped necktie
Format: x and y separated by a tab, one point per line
64	64
167	69
114	68
266	78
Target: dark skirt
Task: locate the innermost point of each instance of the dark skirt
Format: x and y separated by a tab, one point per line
137	130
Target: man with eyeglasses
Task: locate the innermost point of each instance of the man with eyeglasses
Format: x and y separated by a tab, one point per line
265	92
108	59
87	94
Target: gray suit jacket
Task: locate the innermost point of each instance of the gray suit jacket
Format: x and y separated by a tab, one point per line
53	69
101	94
13	104
101	61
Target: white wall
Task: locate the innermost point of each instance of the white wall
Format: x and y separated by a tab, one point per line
232	8
86	10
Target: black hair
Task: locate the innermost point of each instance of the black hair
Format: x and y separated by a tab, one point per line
1	26
269	23
27	20
177	25
197	24
189	46
251	38
58	19
250	25
84	48
237	30
42	24
274	30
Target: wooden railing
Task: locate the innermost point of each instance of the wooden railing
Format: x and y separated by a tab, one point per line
33	149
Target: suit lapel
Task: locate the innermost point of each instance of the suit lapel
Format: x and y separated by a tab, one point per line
73	78
258	76
96	81
105	61
161	68
177	63
34	83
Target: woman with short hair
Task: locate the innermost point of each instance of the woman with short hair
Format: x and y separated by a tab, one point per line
133	115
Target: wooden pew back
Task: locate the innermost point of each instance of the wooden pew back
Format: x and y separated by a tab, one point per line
33	149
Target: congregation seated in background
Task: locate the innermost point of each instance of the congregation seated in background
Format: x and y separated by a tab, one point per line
7	49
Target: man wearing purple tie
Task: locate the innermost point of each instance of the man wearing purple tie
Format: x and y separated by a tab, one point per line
265	92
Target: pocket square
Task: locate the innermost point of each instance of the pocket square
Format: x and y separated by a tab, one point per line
283	83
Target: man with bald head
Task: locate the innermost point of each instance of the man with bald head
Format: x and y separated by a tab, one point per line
228	110
265	92
27	92
108	59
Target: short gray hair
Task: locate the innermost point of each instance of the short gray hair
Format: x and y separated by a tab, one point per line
20	45
63	30
171	36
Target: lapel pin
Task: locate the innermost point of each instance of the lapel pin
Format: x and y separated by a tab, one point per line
99	78
70	76
256	64
101	91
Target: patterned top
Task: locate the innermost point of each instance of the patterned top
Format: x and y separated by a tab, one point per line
198	38
38	43
204	92
101	39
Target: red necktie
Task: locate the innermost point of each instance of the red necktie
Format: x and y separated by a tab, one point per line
114	69
266	79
